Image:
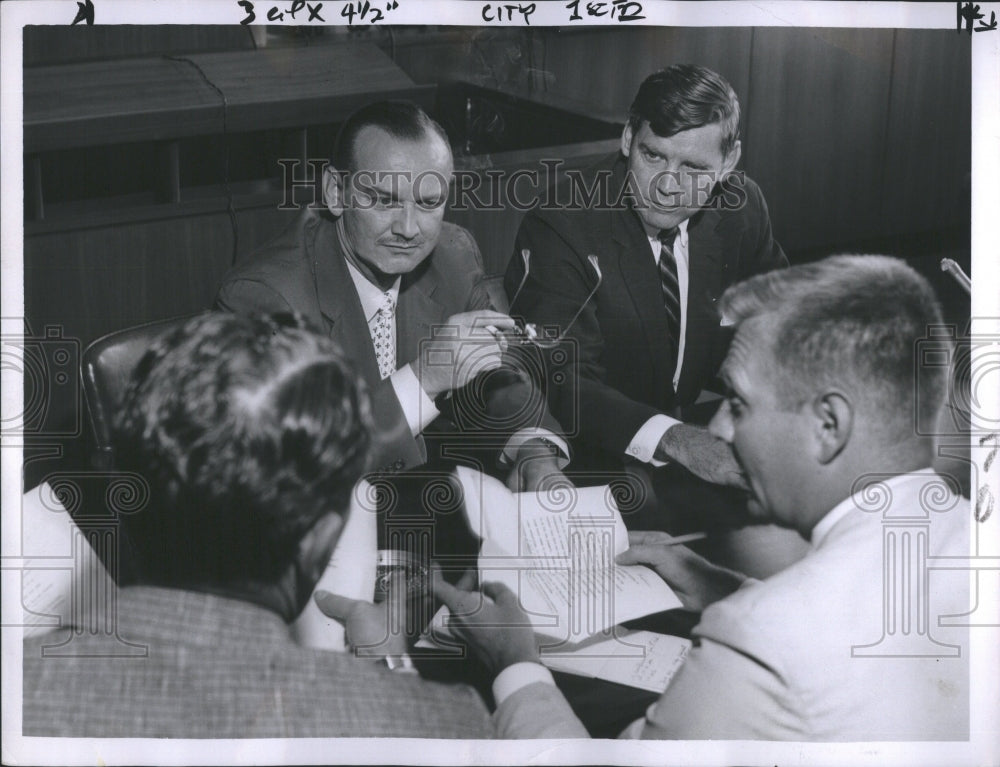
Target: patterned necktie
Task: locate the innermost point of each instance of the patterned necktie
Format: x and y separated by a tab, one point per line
385	349
669	284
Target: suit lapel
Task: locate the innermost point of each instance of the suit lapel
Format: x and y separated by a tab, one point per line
417	310
641	278
706	264
339	303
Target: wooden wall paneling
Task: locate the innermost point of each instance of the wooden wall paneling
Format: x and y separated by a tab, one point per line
95	281
928	159
606	66
817	131
494	229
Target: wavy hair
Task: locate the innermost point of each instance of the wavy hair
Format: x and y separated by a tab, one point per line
248	430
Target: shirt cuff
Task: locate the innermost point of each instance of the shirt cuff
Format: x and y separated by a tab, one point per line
418	408
519	675
517	439
647	439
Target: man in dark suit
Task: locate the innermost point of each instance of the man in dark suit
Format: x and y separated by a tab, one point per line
404	294
671	227
251	434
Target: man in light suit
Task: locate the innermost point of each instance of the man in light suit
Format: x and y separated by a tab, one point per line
846	644
251	434
671	228
404	294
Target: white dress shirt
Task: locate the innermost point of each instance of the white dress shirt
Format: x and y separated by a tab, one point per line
419	409
644	443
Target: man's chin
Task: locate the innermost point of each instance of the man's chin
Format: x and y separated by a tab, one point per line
659	218
401	261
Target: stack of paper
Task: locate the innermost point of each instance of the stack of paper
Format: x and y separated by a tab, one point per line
556	551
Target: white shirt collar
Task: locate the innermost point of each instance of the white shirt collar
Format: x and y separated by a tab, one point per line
838	512
682	232
371	295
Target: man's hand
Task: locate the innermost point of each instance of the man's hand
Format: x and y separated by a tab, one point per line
702	454
697	581
469	344
491	623
372	630
536	468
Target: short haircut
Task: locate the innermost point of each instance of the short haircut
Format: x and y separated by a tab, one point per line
851	320
685	96
248	431
401	119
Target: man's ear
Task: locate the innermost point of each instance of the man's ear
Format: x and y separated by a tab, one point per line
833	416
732	159
627	138
334	194
316	546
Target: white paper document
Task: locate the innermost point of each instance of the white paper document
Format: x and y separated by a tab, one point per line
640	659
54	554
350	573
556	550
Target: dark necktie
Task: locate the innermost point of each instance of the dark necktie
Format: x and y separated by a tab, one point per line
669	284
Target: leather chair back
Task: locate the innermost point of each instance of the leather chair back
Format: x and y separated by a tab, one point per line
106	368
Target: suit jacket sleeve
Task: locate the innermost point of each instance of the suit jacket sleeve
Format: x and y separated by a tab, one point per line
394	447
738	698
764	253
737	673
513	399
559	282
537	710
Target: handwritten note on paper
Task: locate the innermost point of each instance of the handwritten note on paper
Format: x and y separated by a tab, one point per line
639	659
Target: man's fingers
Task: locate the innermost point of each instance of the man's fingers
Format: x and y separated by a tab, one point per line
334	606
645	554
485	317
468	580
638	537
498	592
457	600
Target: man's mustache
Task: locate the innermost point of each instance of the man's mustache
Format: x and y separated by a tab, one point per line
393	242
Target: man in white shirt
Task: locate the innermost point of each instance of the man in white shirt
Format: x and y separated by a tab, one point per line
403	292
862	639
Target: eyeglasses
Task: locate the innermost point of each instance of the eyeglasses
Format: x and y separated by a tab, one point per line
527	333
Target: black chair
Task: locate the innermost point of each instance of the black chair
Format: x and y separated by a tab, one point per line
106	367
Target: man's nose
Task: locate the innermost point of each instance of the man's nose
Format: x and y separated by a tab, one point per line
405	222
721	425
668	183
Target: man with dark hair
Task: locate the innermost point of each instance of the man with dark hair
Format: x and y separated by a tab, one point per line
378	270
858	641
672	227
251	434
